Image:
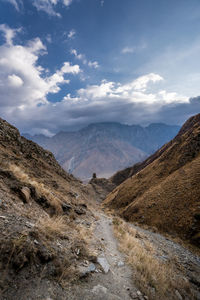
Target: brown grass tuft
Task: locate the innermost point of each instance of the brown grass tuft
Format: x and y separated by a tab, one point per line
55	226
157	279
53	199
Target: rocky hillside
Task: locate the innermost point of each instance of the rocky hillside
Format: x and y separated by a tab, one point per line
57	243
164	190
105	148
44	217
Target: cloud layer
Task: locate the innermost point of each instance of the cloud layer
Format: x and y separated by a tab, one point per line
25	86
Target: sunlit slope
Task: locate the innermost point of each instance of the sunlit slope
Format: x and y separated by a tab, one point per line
165	193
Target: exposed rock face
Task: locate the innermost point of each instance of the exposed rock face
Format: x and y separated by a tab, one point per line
105	148
163	191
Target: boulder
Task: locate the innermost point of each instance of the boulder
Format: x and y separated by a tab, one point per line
102	261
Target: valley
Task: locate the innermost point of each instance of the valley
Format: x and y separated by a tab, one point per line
64	239
99	150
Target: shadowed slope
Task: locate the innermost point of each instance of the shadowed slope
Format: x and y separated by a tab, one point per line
39	207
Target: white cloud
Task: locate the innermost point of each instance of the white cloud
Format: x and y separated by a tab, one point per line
142	82
135	92
67	68
171	97
71	34
102	3
49	6
15	3
49	38
93	64
19	70
105	89
126	50
78	56
67	2
134	49
82	58
15	81
36	46
9	33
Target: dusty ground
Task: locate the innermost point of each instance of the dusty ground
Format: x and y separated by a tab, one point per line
118	283
115	284
112	279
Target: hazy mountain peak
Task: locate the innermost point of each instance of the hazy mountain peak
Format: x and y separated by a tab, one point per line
105	147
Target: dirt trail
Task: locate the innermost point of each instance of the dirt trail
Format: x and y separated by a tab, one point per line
115	284
110	278
118	282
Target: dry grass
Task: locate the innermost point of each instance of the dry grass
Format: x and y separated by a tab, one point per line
53	199
55	226
169	206
165	191
78	239
68	275
85	234
157	279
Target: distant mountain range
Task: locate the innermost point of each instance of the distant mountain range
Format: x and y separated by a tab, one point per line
104	148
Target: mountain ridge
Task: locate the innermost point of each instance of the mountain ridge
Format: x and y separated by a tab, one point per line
105	147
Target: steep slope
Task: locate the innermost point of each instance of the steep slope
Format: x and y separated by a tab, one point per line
41	243
55	245
164	190
105	148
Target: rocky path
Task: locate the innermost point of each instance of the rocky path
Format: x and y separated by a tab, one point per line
111	278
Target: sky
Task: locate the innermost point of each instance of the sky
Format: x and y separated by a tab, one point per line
67	63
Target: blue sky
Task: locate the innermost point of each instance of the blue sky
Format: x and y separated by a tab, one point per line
67	63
